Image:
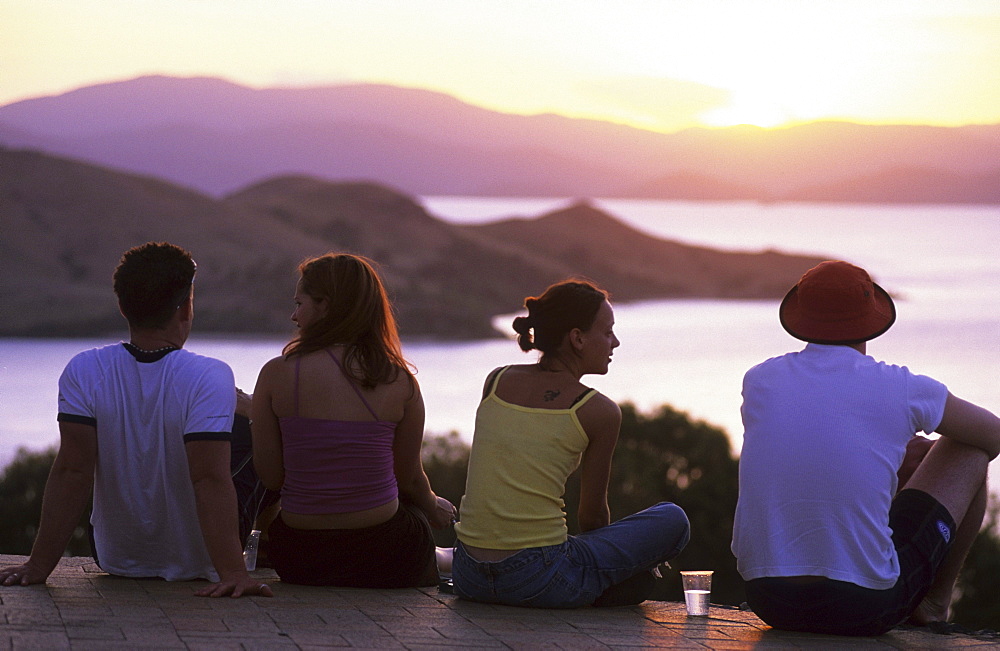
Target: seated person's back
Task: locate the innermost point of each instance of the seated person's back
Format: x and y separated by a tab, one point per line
337	446
338	426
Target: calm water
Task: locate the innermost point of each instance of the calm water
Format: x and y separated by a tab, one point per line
691	354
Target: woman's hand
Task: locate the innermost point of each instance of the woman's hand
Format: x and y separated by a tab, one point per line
444	514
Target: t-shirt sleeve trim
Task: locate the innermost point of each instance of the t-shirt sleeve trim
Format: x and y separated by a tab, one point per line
208	436
75	418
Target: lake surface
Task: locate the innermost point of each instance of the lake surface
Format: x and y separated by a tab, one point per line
940	261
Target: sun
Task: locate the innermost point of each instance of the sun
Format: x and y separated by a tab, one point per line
754	112
780	62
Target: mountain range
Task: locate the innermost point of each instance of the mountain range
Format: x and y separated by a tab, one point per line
66	223
217	137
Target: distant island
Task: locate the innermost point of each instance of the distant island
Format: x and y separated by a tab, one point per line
218	137
66	223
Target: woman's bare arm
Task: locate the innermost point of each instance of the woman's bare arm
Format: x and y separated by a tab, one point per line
601	419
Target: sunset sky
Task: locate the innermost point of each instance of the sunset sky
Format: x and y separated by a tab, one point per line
657	64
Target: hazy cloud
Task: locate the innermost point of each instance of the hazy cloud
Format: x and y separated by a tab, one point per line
288	78
658	103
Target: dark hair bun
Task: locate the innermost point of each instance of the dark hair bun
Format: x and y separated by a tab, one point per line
564	306
522	326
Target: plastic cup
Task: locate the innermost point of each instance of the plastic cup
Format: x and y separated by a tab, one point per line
697	590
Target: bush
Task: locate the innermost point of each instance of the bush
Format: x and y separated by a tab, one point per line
667	456
979	603
22	485
446	462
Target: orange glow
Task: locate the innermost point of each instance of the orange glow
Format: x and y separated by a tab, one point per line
656	65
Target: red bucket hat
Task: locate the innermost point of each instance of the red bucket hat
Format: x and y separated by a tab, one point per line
836	303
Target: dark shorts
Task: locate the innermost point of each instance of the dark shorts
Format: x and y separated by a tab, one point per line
399	553
922	532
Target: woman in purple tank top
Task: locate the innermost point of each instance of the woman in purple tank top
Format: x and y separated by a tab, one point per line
338	423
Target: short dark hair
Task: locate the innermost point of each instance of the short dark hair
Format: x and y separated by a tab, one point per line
151	281
551	316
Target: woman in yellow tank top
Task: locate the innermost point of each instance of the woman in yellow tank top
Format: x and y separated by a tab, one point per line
535	425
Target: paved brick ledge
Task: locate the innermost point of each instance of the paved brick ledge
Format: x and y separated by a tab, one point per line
83	608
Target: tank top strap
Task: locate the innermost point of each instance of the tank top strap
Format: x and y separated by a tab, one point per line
492	380
582	398
351	382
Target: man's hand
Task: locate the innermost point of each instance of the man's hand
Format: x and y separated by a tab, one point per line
215	499
26	574
245	586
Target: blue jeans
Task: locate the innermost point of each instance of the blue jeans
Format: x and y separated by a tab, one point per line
576	572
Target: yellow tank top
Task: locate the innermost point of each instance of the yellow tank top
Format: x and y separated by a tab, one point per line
521	457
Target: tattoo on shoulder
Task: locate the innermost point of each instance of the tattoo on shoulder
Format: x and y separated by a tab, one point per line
550	395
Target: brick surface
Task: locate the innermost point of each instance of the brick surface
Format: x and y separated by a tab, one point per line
83	608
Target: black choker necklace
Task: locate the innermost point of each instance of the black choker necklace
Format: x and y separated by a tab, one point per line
165	349
148	356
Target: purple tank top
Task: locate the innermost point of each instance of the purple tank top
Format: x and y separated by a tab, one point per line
336	466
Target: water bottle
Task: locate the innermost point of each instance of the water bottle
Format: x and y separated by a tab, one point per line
250	551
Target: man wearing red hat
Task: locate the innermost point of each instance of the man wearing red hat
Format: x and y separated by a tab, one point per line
821	535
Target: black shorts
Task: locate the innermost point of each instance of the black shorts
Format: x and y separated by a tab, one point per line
922	533
399	553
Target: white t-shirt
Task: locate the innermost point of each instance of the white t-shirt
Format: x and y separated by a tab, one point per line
825	431
144	516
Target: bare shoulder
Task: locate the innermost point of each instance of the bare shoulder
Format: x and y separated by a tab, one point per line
275	363
600	416
273	367
508	371
601	405
407	385
271	374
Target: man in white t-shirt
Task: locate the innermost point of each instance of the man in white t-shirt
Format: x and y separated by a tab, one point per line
145	426
823	536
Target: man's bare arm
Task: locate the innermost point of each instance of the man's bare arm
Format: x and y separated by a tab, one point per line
971	424
67	493
215	498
